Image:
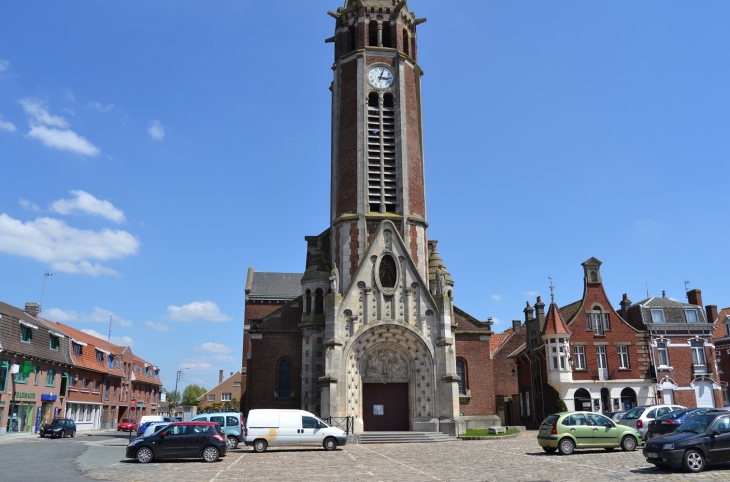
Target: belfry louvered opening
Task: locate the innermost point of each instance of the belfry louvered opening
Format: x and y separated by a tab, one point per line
382	180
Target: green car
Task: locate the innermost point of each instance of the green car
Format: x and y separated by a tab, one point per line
567	431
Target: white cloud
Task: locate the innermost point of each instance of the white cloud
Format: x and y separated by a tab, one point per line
497	297
496	321
70	96
531	293
6	125
213	347
117	340
198	310
156	130
157	326
53	131
197	364
99	107
85	203
66	248
4	65
223	358
97	315
28	204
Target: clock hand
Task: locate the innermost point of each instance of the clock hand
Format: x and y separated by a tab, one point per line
382	72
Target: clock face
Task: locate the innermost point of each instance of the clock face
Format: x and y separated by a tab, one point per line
380	77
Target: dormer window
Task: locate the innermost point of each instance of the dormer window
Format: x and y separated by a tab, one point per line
77	349
657	316
100	357
691	316
54	343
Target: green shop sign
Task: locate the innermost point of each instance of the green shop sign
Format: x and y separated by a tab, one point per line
24	395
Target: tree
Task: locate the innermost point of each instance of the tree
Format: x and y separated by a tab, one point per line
191	394
560	406
173	399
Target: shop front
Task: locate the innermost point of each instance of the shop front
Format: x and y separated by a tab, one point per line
85	415
21	417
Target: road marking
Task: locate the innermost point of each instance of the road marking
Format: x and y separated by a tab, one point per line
226	469
401	463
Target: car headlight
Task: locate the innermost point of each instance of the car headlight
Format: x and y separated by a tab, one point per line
134	442
668	447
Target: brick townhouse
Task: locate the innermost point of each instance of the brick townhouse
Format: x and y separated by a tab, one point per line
35	366
223	396
506	386
584	353
144	385
721	335
94	389
682	350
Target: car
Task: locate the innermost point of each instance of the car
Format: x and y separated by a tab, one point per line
567	431
639	417
669	422
180	440
230	422
615	416
702	440
153	428
127	425
177	419
58	427
275	427
147	419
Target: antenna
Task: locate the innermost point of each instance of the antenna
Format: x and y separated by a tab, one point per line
552	289
647	289
111	317
686	289
43	291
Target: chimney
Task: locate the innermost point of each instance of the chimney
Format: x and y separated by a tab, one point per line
694	297
540	308
711	312
220	377
516	325
33	309
529	312
625	303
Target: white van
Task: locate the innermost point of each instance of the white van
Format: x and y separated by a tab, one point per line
275	428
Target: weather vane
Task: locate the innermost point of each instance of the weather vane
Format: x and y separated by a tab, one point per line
552	289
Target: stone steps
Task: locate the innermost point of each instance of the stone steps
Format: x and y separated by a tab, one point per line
401	437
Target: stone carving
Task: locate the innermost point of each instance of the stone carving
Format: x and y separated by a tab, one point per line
385	365
335	279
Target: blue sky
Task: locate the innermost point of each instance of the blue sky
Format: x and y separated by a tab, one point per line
152	151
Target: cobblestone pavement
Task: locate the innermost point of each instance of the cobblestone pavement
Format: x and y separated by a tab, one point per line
513	459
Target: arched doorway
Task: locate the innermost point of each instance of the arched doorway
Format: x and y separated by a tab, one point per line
605	400
628	399
704	394
582	400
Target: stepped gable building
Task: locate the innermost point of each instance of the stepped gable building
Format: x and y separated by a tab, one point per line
682	349
372	331
584	353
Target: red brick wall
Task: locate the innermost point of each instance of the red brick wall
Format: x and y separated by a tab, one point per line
262	373
504	382
413	127
480	378
347	148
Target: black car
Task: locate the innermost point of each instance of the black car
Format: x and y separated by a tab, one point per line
669	422
702	440
181	440
59	427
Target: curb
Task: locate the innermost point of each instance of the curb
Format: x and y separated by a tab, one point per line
493	437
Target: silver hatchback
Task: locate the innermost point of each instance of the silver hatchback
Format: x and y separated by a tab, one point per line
639	417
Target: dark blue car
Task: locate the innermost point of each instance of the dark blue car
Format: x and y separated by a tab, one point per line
669	422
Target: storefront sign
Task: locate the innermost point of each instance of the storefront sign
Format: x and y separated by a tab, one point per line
24	395
48	397
38	419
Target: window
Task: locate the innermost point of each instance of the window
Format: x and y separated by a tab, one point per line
657	316
698	354
236	384
405	41
95	385
84	384
691	316
26	334
663	354
461	372
157	374
21	376
4	369
54	342
373	34
100	357
211	397
382	182
77	349
598	323
606	322
50	378
601	355
135	368
318	301
284	379
580	357
352	38
589	322
110	362
226	397
623	357
37	374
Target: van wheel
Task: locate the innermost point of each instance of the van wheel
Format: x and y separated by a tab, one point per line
232	442
259	445
330	444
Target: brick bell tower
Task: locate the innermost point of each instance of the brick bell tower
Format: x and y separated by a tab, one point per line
377	142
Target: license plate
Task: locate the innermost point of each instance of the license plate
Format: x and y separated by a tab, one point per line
542	430
652	456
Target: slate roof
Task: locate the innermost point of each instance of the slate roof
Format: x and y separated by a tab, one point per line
568	312
721	323
474	324
284	318
554	324
518	351
88	358
40	343
280	286
673	310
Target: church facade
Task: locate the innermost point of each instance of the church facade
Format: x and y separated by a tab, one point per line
369	330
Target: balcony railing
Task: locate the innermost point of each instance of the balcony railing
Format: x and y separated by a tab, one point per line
700	369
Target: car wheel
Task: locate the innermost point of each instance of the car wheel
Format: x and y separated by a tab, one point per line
232	442
628	443
210	454
693	461
330	444
63	434
144	455
73	434
566	446
259	445
550	450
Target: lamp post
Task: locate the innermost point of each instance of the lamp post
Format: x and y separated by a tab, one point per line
179	375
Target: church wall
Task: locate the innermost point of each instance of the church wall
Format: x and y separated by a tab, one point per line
262	374
480	375
416	191
347	178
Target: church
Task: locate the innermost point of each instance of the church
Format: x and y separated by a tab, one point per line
369	332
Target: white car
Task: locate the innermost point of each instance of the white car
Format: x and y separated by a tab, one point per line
639	417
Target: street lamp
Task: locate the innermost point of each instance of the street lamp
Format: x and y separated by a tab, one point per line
179	375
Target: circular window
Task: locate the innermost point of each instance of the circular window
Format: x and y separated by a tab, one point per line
388	271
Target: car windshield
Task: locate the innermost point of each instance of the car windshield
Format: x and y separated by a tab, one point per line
697	425
551	419
633	414
55	422
128	420
673	415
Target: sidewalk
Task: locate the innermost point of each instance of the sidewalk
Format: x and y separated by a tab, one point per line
19	437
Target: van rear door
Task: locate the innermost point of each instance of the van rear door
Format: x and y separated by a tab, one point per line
290	429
